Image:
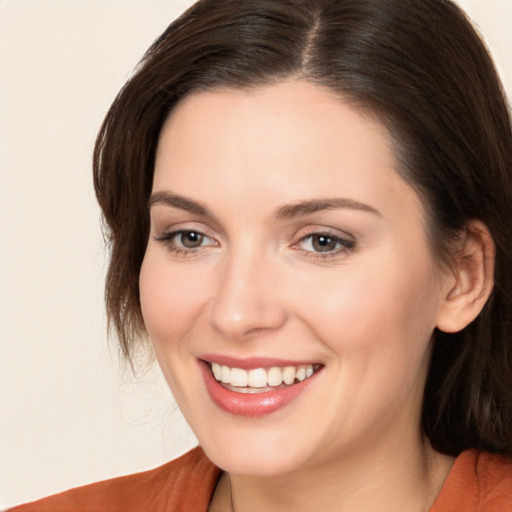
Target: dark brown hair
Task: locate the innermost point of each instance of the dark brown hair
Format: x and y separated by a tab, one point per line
419	68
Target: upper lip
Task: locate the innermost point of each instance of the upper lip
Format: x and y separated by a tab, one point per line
250	363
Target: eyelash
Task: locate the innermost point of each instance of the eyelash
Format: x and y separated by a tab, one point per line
344	245
168	239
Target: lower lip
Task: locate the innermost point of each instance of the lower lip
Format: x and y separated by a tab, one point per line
251	405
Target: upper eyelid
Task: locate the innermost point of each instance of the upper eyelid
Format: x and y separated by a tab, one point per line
328	234
164	227
170	211
179	231
166	224
324	230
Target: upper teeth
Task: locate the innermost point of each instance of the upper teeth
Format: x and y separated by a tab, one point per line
261	377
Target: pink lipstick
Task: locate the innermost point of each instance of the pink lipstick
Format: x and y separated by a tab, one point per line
257	397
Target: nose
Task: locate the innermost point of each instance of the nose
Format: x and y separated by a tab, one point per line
246	302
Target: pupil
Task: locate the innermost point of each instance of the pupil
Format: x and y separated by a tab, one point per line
191	239
322	243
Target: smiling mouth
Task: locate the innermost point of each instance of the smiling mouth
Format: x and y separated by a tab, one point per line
261	380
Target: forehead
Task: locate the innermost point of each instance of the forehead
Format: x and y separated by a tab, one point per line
286	141
286	108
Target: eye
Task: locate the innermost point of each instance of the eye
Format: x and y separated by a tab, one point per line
185	241
189	239
325	243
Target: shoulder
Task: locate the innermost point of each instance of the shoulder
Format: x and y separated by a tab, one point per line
478	481
185	483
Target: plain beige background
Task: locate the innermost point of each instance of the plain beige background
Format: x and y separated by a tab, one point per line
69	415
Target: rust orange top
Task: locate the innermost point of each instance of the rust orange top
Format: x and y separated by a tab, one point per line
185	484
478	482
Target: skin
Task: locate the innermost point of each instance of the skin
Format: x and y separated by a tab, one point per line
256	286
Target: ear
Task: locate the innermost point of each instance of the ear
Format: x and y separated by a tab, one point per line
472	280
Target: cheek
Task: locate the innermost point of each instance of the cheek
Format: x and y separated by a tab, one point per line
381	311
170	300
377	326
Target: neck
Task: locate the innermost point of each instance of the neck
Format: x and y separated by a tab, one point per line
388	481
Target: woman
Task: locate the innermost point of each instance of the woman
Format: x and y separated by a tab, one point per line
308	205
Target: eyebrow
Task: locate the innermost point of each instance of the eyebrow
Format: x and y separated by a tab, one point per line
308	207
176	201
287	211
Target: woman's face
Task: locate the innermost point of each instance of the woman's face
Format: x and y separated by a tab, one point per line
284	243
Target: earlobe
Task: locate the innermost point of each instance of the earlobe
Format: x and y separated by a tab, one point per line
473	279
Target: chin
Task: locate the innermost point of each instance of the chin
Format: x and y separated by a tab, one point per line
256	461
260	452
